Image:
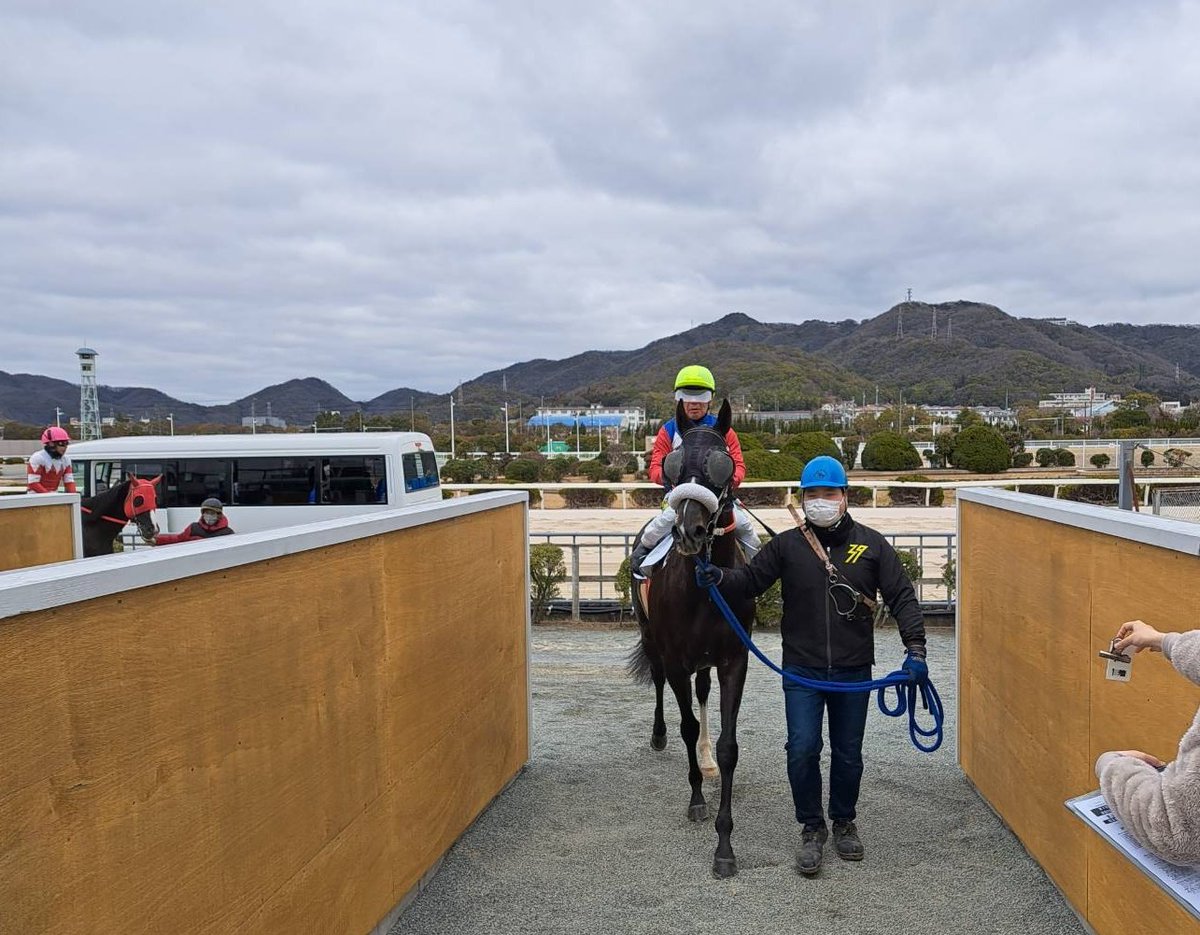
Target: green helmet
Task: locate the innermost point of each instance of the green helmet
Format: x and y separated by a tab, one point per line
695	384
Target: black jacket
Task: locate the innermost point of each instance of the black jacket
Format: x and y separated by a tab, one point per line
814	634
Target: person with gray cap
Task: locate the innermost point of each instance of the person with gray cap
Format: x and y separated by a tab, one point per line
212	523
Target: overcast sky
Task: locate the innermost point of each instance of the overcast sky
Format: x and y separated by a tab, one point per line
222	195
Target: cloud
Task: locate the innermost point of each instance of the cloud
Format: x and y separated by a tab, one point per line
227	195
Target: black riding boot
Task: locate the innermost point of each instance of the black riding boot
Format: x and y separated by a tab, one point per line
636	557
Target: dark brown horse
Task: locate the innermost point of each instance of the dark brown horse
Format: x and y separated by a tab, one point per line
682	632
106	514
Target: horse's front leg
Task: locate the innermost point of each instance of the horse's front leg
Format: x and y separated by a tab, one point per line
704	746
689	729
732	676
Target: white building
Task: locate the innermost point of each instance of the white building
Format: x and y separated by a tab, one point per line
1089	398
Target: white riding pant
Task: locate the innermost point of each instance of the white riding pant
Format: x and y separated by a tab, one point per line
661	526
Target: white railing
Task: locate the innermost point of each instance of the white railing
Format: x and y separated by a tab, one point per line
1016	482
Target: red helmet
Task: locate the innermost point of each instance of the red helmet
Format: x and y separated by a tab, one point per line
55	434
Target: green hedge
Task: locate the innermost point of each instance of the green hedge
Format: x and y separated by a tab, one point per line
887	451
804	446
767	465
589	497
915	496
981	450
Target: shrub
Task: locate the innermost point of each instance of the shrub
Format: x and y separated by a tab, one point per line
1046	457
645	497
1090	493
1176	457
804	446
597	472
522	470
1037	490
459	471
761	496
859	496
768	606
1022	459
981	450
887	451
912	564
588	497
850	446
1147	458
555	469
547	571
1100	461
624	583
915	496
14	460
766	465
1064	458
949	578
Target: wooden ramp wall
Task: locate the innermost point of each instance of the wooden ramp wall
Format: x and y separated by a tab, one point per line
280	745
37	529
1039	596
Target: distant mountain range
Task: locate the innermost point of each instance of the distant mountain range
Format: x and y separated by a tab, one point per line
980	355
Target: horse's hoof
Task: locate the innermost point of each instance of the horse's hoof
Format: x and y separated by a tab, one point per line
658	741
710	772
697	812
724	867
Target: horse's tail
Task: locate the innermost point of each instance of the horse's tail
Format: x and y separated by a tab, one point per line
638	665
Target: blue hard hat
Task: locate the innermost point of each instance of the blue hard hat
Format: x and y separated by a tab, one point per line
823	471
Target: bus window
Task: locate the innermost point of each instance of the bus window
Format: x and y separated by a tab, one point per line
102	472
201	478
420	470
272	481
354	479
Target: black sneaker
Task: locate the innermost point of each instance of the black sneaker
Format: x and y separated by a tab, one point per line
812	844
846	842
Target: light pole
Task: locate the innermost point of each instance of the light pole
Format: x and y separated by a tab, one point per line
58	416
505	411
578	419
451	423
171	419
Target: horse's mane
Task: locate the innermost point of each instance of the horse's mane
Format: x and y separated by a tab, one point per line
109	503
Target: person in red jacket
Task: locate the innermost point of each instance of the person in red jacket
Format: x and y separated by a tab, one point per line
694	387
50	467
212	523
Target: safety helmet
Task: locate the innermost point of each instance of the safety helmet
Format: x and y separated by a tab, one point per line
55	434
695	384
823	471
213	504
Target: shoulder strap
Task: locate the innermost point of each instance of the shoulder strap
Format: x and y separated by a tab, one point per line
830	568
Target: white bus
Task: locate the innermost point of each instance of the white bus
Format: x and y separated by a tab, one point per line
269	480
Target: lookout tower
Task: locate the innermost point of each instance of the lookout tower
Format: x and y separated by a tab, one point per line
89	403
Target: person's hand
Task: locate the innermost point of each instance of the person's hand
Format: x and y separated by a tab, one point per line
916	668
1144	757
1138	635
708	576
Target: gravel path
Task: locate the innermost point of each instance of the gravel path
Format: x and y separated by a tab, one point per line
593	837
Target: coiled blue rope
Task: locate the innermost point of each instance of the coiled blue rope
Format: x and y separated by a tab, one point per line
906	691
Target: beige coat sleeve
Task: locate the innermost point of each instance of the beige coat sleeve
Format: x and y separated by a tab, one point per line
1161	811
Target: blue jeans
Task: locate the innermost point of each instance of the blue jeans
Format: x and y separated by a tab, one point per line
805	708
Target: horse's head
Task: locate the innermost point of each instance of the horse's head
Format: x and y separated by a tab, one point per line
141	501
700	472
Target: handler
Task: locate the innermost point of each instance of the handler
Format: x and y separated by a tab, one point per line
212	523
828	635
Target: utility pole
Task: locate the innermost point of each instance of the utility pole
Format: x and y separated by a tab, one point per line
253	418
412	414
58	413
171	419
935	323
451	423
505	411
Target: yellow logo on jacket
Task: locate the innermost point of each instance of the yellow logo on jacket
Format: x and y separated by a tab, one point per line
854	553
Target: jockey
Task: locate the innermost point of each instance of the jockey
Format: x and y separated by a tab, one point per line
694	387
51	466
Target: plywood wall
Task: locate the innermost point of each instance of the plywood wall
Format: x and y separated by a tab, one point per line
1037	601
36	534
283	747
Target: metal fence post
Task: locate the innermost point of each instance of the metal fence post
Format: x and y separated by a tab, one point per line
575	580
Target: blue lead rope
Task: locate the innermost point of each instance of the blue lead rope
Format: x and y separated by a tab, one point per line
906	692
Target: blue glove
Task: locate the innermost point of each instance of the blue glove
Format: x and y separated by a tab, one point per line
916	669
708	576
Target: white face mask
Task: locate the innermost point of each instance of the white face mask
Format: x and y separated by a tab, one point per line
210	519
823	513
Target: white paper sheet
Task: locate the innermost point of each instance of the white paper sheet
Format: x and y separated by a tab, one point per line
1183	883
